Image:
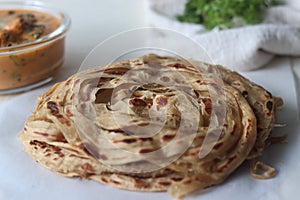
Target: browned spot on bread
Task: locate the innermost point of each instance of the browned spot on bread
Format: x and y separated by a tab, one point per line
88	167
115	182
116	71
187	182
128	141
193	153
165	183
245	94
176	179
47	155
40	133
140	184
208	105
146	150
68	82
168	137
161	101
177	65
69	113
217	146
52	106
104	180
137	102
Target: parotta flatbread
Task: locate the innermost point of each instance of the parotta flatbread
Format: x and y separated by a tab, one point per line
52	134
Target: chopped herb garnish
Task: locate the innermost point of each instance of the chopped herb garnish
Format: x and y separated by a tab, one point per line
16	75
18	61
225	13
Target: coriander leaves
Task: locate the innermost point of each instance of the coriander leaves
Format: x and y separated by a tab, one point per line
225	13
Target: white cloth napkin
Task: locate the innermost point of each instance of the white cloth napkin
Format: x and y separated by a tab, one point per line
245	48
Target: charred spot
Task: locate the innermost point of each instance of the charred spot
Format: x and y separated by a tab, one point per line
146	139
87	167
104	180
141	184
245	94
217	146
137	102
47	150
208	105
176	179
129	141
269	105
52	106
63	120
69	113
68	82
165	183
168	137
161	101
116	71
146	150
115	182
187	182
177	65
38	144
192	153
40	133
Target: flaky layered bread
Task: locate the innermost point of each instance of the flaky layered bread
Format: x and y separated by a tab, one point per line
206	121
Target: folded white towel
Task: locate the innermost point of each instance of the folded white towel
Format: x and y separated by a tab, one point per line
245	48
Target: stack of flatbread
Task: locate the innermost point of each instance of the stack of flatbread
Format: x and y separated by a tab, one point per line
153	123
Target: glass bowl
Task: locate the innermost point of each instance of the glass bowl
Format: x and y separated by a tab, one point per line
29	65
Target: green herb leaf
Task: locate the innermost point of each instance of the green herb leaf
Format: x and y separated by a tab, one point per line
225	13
